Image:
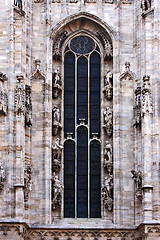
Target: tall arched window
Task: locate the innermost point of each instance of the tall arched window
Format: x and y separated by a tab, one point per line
82	124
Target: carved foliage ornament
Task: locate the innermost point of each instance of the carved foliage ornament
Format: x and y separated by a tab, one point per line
107	45
27	182
57	52
147	107
3	94
2	177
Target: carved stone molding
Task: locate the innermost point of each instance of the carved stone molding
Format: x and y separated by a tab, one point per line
38	1
57	88
107	45
27	182
28	107
108	121
57	192
137	108
57	44
147	107
126	1
18	3
127	74
3	94
2	177
137	176
107	193
108	88
20	96
145	5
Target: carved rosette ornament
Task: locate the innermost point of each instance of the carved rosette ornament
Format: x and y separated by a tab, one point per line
108	88
57	154
108	121
137	176
137	108
107	193
28	107
147	107
3	94
2	177
57	88
108	157
20	96
27	182
57	192
56	120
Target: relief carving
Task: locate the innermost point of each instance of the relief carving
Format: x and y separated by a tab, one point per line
137	176
108	89
20	96
57	88
2	177
137	108
108	155
109	1
57	51
107	45
145	5
3	94
18	3
28	107
56	120
146	97
57	192
108	121
27	182
57	153
107	193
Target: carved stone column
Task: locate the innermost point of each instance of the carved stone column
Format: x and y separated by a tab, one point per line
146	149
20	141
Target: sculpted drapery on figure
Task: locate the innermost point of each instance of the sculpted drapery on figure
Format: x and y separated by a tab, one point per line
108	88
57	152
2	177
57	192
108	121
56	120
107	193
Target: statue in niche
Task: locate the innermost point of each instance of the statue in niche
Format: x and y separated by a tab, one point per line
28	105
27	182
2	177
57	152
56	83
108	164
56	120
57	192
146	96
108	89
20	96
137	108
108	121
137	176
107	193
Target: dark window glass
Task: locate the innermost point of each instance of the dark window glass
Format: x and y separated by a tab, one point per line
82	45
69	179
82	172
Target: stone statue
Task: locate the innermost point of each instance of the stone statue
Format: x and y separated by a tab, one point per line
57	192
107	193
108	163
2	177
56	120
108	121
57	151
146	97
56	84
137	108
28	107
137	176
108	89
20	96
27	182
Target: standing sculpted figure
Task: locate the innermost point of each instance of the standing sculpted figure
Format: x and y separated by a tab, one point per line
56	83
2	177
108	156
57	149
107	192
57	192
108	89
56	120
108	121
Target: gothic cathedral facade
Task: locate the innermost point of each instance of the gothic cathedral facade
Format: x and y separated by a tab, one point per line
80	120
